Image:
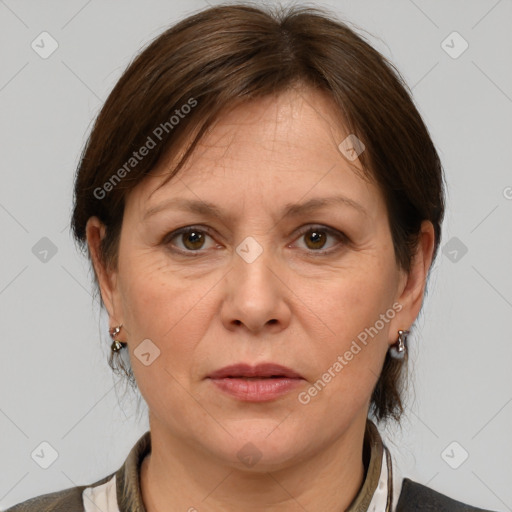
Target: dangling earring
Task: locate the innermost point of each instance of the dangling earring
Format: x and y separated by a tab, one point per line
397	351
116	345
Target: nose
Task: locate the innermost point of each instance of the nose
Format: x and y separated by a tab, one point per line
256	297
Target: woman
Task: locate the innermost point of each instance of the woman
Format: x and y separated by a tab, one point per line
261	203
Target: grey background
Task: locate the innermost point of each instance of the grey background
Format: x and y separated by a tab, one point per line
55	384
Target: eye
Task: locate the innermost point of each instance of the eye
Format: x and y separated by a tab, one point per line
316	237
192	238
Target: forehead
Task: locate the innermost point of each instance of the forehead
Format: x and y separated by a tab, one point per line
268	149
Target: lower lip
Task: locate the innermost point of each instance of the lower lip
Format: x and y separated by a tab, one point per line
257	390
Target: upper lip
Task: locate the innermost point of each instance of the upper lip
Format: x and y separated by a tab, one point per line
260	370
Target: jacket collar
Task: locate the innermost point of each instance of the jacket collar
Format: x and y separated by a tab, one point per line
373	444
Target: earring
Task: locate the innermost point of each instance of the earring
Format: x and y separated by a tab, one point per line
397	351
116	345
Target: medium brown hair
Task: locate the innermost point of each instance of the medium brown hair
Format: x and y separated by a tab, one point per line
220	57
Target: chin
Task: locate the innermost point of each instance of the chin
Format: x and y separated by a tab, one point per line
261	447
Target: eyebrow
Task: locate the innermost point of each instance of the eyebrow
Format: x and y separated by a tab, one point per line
290	209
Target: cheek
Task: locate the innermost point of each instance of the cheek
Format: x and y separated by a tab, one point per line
353	300
162	306
168	311
356	311
153	295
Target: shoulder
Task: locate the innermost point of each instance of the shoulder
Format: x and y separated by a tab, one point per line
67	500
415	497
122	483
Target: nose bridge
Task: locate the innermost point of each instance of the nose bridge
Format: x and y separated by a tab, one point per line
253	265
255	295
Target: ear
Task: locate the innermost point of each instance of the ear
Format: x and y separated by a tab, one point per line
412	285
107	278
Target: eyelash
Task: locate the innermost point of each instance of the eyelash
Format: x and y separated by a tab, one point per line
309	228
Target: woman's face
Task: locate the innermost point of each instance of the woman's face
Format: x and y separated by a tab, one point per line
315	289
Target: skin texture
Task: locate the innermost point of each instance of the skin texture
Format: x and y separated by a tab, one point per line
290	306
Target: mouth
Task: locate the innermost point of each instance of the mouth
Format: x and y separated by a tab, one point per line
262	383
258	372
256	378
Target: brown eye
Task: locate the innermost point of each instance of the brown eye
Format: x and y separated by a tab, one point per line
193	240
315	239
188	239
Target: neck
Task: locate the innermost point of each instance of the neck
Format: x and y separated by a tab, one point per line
179	477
